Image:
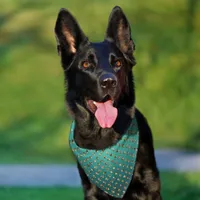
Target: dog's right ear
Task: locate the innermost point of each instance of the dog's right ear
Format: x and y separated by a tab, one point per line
69	36
119	31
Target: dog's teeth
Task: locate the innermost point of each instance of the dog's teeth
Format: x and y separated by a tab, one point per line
94	102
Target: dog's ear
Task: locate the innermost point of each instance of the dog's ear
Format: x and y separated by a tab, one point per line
119	31
69	36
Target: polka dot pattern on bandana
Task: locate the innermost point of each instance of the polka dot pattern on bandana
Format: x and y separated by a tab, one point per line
110	169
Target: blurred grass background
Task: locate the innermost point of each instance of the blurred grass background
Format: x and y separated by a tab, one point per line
34	123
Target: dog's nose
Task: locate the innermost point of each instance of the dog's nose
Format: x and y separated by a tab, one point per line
108	81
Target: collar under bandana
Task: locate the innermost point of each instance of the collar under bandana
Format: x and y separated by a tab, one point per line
110	169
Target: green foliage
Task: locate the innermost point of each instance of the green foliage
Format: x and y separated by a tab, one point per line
175	186
40	194
33	121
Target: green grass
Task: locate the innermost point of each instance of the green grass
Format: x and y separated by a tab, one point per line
34	123
183	186
41	194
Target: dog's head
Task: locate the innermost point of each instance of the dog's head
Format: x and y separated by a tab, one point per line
98	75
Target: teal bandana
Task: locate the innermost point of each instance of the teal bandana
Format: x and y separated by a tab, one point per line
110	169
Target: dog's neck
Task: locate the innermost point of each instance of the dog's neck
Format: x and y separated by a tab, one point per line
88	133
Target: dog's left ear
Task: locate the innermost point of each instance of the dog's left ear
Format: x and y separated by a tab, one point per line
119	32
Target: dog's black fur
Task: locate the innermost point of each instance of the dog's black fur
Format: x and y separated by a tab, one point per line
84	65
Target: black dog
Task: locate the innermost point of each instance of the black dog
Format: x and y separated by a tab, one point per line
101	97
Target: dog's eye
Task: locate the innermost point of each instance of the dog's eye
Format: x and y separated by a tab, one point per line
118	63
85	64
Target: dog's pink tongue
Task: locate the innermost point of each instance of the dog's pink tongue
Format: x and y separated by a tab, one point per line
106	114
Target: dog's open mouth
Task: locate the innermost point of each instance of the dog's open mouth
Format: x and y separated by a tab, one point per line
104	111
